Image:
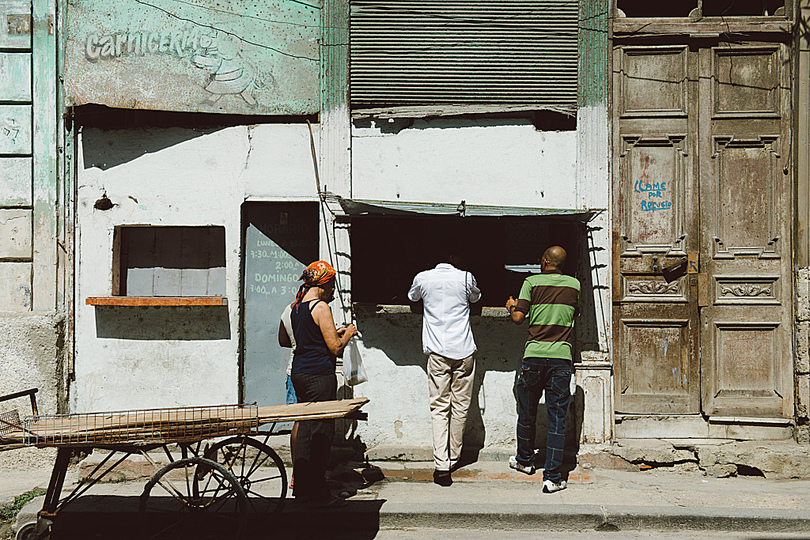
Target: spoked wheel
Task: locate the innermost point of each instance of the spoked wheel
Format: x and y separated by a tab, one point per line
259	471
195	498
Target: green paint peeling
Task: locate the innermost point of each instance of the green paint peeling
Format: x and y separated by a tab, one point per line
237	57
594	19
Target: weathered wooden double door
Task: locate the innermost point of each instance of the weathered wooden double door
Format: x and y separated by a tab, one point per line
702	178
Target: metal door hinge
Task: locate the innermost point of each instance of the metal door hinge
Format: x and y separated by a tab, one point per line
19	24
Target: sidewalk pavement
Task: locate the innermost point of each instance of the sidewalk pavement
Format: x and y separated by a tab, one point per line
489	495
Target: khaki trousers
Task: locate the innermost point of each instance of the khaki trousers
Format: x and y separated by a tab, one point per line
450	383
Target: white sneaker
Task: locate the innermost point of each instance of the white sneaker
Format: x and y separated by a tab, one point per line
551	487
515	464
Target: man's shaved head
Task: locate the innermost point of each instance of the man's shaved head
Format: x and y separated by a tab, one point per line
555	255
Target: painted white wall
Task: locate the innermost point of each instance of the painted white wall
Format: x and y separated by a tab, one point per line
480	161
179	177
593	178
170	177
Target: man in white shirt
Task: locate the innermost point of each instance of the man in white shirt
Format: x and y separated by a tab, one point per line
446	293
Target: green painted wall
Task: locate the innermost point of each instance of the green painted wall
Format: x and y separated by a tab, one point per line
593	52
237	57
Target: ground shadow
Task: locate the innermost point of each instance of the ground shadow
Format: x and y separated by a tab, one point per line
103	517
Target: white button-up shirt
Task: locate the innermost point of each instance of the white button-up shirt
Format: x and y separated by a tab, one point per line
446	293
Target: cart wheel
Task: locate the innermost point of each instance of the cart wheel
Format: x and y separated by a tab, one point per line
198	498
257	468
28	532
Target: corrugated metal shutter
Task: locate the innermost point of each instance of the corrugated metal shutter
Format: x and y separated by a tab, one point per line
427	52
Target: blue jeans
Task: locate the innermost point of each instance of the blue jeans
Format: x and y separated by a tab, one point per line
290	392
552	376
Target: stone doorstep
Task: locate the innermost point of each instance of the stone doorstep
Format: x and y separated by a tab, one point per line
772	459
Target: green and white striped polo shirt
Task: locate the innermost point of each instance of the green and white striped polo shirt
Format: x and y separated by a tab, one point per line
549	301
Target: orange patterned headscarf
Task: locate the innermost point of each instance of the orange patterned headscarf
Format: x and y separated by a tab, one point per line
315	275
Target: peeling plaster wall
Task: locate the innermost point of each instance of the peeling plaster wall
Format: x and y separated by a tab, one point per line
133	357
31	358
450	160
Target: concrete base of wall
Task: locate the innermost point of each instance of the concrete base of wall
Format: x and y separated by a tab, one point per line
716	458
802	366
31	346
32	352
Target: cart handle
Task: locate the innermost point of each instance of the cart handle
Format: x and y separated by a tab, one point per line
30	392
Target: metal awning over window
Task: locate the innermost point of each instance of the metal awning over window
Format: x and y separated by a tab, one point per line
359	207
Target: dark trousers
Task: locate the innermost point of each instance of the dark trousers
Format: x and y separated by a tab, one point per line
552	376
314	441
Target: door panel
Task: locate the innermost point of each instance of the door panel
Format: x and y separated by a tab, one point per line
653	81
654	195
745	191
746	244
657	370
745	81
654	205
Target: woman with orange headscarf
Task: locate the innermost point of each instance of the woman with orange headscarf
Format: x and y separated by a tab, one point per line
318	344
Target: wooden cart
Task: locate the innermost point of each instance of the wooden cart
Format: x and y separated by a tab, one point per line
220	469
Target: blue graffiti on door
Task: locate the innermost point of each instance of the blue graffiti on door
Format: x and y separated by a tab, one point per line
657	194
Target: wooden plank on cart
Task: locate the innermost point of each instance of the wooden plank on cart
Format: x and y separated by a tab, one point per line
316	410
140	426
167	425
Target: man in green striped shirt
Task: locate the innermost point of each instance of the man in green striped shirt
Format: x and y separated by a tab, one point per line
550	302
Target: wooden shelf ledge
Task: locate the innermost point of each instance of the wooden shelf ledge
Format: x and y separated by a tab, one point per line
398	309
156	301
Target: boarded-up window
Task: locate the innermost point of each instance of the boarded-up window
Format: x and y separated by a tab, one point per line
170	261
418	53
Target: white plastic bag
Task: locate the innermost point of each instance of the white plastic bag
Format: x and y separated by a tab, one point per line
353	370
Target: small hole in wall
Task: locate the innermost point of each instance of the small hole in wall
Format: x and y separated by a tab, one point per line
103	203
746	470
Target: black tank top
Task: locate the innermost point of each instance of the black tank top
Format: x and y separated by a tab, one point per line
311	353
